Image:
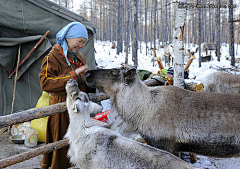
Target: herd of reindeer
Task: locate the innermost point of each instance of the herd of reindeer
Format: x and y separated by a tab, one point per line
167	120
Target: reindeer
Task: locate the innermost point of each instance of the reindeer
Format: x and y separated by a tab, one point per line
168	53
172	118
221	82
97	147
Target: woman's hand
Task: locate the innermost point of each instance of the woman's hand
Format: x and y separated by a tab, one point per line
81	69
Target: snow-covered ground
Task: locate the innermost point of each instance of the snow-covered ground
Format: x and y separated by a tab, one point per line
106	57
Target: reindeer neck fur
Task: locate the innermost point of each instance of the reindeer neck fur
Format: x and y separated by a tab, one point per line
82	118
128	101
169	110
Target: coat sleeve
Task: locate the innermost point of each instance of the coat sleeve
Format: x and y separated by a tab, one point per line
50	77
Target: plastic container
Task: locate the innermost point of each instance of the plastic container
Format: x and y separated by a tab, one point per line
31	137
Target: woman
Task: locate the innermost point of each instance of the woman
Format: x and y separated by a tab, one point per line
62	63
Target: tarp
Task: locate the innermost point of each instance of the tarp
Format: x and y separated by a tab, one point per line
25	22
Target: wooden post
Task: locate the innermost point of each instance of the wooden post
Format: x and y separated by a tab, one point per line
169	80
33	153
160	63
38	43
189	63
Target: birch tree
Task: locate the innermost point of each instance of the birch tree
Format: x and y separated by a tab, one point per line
178	46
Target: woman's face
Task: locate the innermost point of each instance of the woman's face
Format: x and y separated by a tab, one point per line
75	44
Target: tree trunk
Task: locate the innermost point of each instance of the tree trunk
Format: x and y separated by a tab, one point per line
162	25
100	23
166	22
178	46
127	30
218	33
210	24
145	34
154	28
135	33
200	30
119	34
231	28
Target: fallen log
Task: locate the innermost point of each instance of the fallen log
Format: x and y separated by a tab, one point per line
197	87
33	153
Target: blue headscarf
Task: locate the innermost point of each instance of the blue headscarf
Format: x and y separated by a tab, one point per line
72	30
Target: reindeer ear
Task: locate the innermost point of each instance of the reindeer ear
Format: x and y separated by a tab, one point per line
74	108
129	76
77	107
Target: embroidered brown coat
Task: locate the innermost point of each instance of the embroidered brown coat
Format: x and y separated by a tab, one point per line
53	77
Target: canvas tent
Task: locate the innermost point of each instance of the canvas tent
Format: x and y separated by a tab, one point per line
25	22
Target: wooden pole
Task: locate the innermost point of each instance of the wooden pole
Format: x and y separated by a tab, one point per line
15	83
31	114
36	113
33	153
38	43
189	63
160	63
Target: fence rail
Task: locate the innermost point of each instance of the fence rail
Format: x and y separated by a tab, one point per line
35	113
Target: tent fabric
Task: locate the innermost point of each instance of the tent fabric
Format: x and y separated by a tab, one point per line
25	22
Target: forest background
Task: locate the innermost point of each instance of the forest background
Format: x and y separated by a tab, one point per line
131	22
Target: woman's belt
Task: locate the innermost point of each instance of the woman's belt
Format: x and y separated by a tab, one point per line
58	93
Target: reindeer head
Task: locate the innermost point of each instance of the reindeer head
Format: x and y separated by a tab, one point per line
110	80
73	93
78	101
